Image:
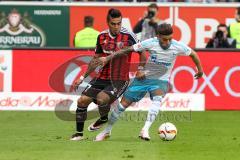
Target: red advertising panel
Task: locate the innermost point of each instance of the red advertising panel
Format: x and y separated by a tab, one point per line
33	70
192	25
220	83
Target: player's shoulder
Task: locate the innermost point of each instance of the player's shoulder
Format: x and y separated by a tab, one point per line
128	32
180	46
174	41
178	43
102	34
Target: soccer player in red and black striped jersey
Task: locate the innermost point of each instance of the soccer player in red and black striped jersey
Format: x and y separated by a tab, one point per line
113	78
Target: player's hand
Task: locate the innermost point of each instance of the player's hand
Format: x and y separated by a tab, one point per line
77	83
198	75
140	75
95	62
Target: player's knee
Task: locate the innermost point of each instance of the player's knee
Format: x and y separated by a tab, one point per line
125	103
156	104
80	103
83	101
156	101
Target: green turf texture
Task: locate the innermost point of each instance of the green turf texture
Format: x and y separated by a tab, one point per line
212	135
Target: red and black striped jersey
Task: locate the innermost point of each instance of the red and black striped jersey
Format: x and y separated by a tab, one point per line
118	68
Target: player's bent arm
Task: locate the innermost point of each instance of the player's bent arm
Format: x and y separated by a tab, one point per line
197	62
93	64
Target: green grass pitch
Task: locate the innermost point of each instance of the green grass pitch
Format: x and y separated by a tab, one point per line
212	135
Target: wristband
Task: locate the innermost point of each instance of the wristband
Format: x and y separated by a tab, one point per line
81	78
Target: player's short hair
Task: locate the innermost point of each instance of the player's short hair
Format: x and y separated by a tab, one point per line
164	29
88	21
153	5
113	13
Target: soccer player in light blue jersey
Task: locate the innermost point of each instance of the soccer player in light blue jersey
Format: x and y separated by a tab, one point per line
155	75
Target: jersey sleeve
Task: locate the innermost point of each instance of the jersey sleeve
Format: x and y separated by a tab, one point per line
144	45
98	49
183	49
132	39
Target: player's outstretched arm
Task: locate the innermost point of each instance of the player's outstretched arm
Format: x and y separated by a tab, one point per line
197	62
105	60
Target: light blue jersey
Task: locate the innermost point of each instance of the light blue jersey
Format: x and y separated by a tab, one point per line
157	70
161	61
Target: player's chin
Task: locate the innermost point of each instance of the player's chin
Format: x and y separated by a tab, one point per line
115	32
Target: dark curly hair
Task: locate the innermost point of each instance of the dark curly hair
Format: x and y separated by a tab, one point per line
164	29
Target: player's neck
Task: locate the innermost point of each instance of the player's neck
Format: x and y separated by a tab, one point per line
112	35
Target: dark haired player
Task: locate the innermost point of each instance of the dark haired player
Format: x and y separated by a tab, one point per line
113	78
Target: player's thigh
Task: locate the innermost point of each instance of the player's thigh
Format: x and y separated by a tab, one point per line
95	86
159	89
136	91
116	89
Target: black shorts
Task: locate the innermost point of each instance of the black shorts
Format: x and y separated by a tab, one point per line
113	88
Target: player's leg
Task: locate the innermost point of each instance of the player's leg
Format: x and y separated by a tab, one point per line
152	114
117	111
81	116
114	116
158	89
130	96
110	93
103	111
88	96
103	101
